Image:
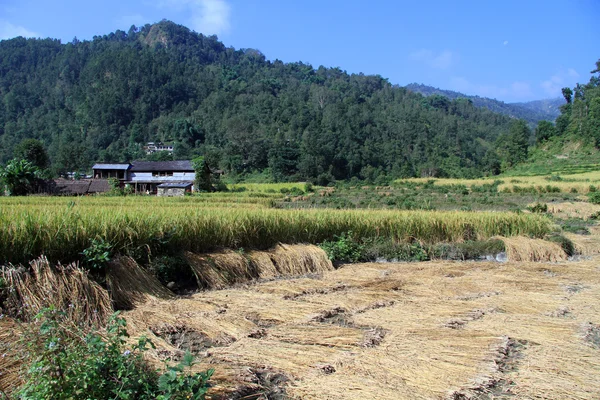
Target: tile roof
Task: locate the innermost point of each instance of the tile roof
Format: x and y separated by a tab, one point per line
112	166
156	166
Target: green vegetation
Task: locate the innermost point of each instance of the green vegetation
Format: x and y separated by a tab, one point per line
245	114
571	145
347	248
19	177
65	362
97	255
429	194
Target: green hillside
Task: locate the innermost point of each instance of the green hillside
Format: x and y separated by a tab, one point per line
102	100
571	144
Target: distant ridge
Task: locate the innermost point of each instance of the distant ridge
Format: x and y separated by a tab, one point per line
531	111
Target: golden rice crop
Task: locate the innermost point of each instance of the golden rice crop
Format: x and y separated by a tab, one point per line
61	228
567	183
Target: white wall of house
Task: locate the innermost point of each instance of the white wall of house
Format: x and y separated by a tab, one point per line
152	177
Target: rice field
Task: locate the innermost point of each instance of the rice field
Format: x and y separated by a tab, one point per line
570	183
61	228
267	187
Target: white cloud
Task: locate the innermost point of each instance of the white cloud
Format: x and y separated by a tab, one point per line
521	90
553	85
9	31
206	16
505	42
441	60
563	78
517	90
126	21
572	73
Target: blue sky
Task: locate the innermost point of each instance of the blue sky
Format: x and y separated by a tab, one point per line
509	50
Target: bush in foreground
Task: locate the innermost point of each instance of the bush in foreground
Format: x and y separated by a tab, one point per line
66	363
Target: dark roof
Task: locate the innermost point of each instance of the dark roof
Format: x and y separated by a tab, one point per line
99	186
112	166
66	187
156	166
180	185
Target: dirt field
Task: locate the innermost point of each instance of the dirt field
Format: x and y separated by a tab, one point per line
432	330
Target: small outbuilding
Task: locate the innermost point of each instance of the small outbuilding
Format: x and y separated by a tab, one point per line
174	189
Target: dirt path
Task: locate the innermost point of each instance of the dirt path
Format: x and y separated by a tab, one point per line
434	330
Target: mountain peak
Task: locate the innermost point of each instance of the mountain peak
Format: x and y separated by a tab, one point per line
531	111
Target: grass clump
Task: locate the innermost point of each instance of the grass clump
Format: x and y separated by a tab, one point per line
565	243
540	208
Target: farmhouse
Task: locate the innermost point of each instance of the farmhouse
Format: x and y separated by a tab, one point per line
147	176
105	171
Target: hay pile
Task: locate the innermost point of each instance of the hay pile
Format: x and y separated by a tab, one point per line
566	210
9	364
222	269
586	245
67	288
520	248
129	284
381	331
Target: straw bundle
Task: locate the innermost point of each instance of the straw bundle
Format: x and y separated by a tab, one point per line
263	264
586	245
299	259
225	268
525	249
67	288
129	284
222	269
9	364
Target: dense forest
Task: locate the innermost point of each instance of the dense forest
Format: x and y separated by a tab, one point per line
102	100
580	116
530	111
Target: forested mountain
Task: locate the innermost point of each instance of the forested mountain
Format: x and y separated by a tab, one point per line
531	111
580	116
102	100
572	143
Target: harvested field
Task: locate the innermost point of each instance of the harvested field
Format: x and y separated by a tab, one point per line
441	330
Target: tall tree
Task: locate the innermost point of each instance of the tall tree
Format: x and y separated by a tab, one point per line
33	151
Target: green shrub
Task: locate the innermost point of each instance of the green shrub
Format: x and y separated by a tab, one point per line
594	197
538	208
308	187
97	255
66	363
178	382
391	250
344	249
